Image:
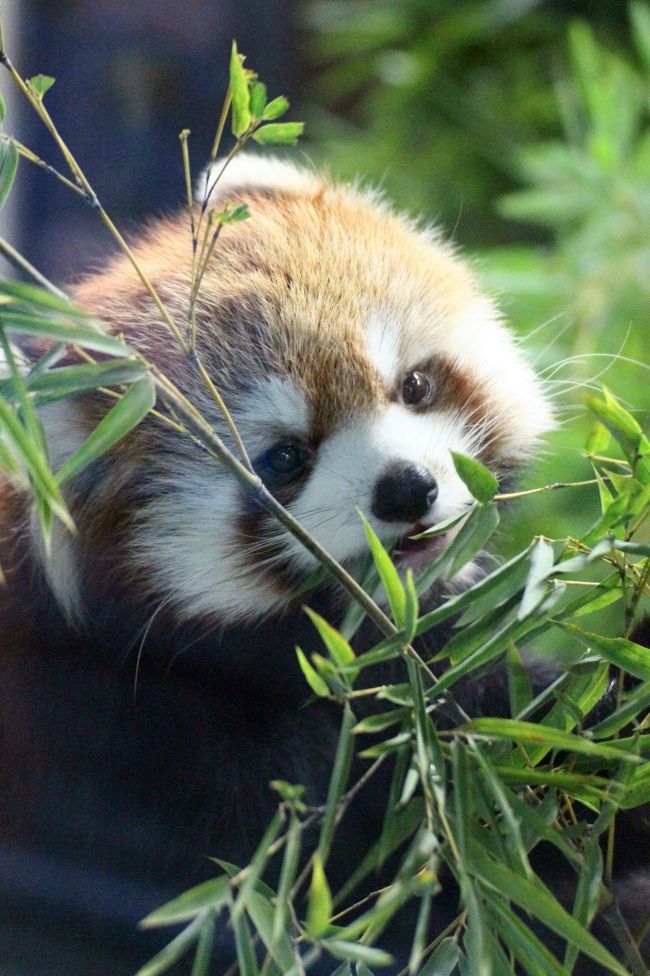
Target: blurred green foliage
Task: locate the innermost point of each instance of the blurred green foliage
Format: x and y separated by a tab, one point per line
525	130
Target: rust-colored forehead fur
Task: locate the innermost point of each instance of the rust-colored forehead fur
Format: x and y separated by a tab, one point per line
291	291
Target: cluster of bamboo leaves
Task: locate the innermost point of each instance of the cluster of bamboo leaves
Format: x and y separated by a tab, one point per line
476	800
471	798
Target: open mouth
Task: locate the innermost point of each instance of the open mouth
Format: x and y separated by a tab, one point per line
417	554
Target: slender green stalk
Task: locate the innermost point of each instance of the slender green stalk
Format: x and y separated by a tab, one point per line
31	157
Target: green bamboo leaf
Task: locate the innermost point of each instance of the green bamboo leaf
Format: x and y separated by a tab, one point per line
241	114
480	527
474	533
319	906
534	898
339	649
338	781
513	630
442	961
357	952
387	573
3	110
625	654
519	690
314	680
389	745
8	167
637	791
39	299
481	482
505	728
411	607
276	107
245	949
127	413
638	702
290	864
176	949
488	592
31	456
541	567
70	380
577	784
383	720
598	439
472	636
210	894
524	943
257	99
80	335
279	133
620	423
40	84
203	955
587	894
262	912
440	528
477	941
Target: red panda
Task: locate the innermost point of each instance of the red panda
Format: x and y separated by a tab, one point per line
148	687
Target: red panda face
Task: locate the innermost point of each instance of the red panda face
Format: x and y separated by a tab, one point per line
355	352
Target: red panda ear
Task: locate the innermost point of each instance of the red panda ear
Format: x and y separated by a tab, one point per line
252	171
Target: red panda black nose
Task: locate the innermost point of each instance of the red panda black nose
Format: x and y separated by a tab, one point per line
404	493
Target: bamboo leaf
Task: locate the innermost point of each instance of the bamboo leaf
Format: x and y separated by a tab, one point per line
8	167
442	961
176	949
534	898
262	914
87	336
481	482
339	649
319	906
338	781
40	84
542	735
314	680
541	567
210	894
279	133
241	115
387	573
357	952
276	107
625	654
127	413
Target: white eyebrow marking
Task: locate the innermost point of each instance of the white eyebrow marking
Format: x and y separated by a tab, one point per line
382	342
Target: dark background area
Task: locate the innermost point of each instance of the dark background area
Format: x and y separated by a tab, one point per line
129	77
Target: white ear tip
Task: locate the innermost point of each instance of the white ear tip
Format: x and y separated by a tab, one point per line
257	172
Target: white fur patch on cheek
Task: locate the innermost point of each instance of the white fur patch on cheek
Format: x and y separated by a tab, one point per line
187	546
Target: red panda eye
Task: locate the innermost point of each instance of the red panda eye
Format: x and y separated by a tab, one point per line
283	462
285	458
416	387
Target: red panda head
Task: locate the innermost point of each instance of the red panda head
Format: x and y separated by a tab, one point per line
354	350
